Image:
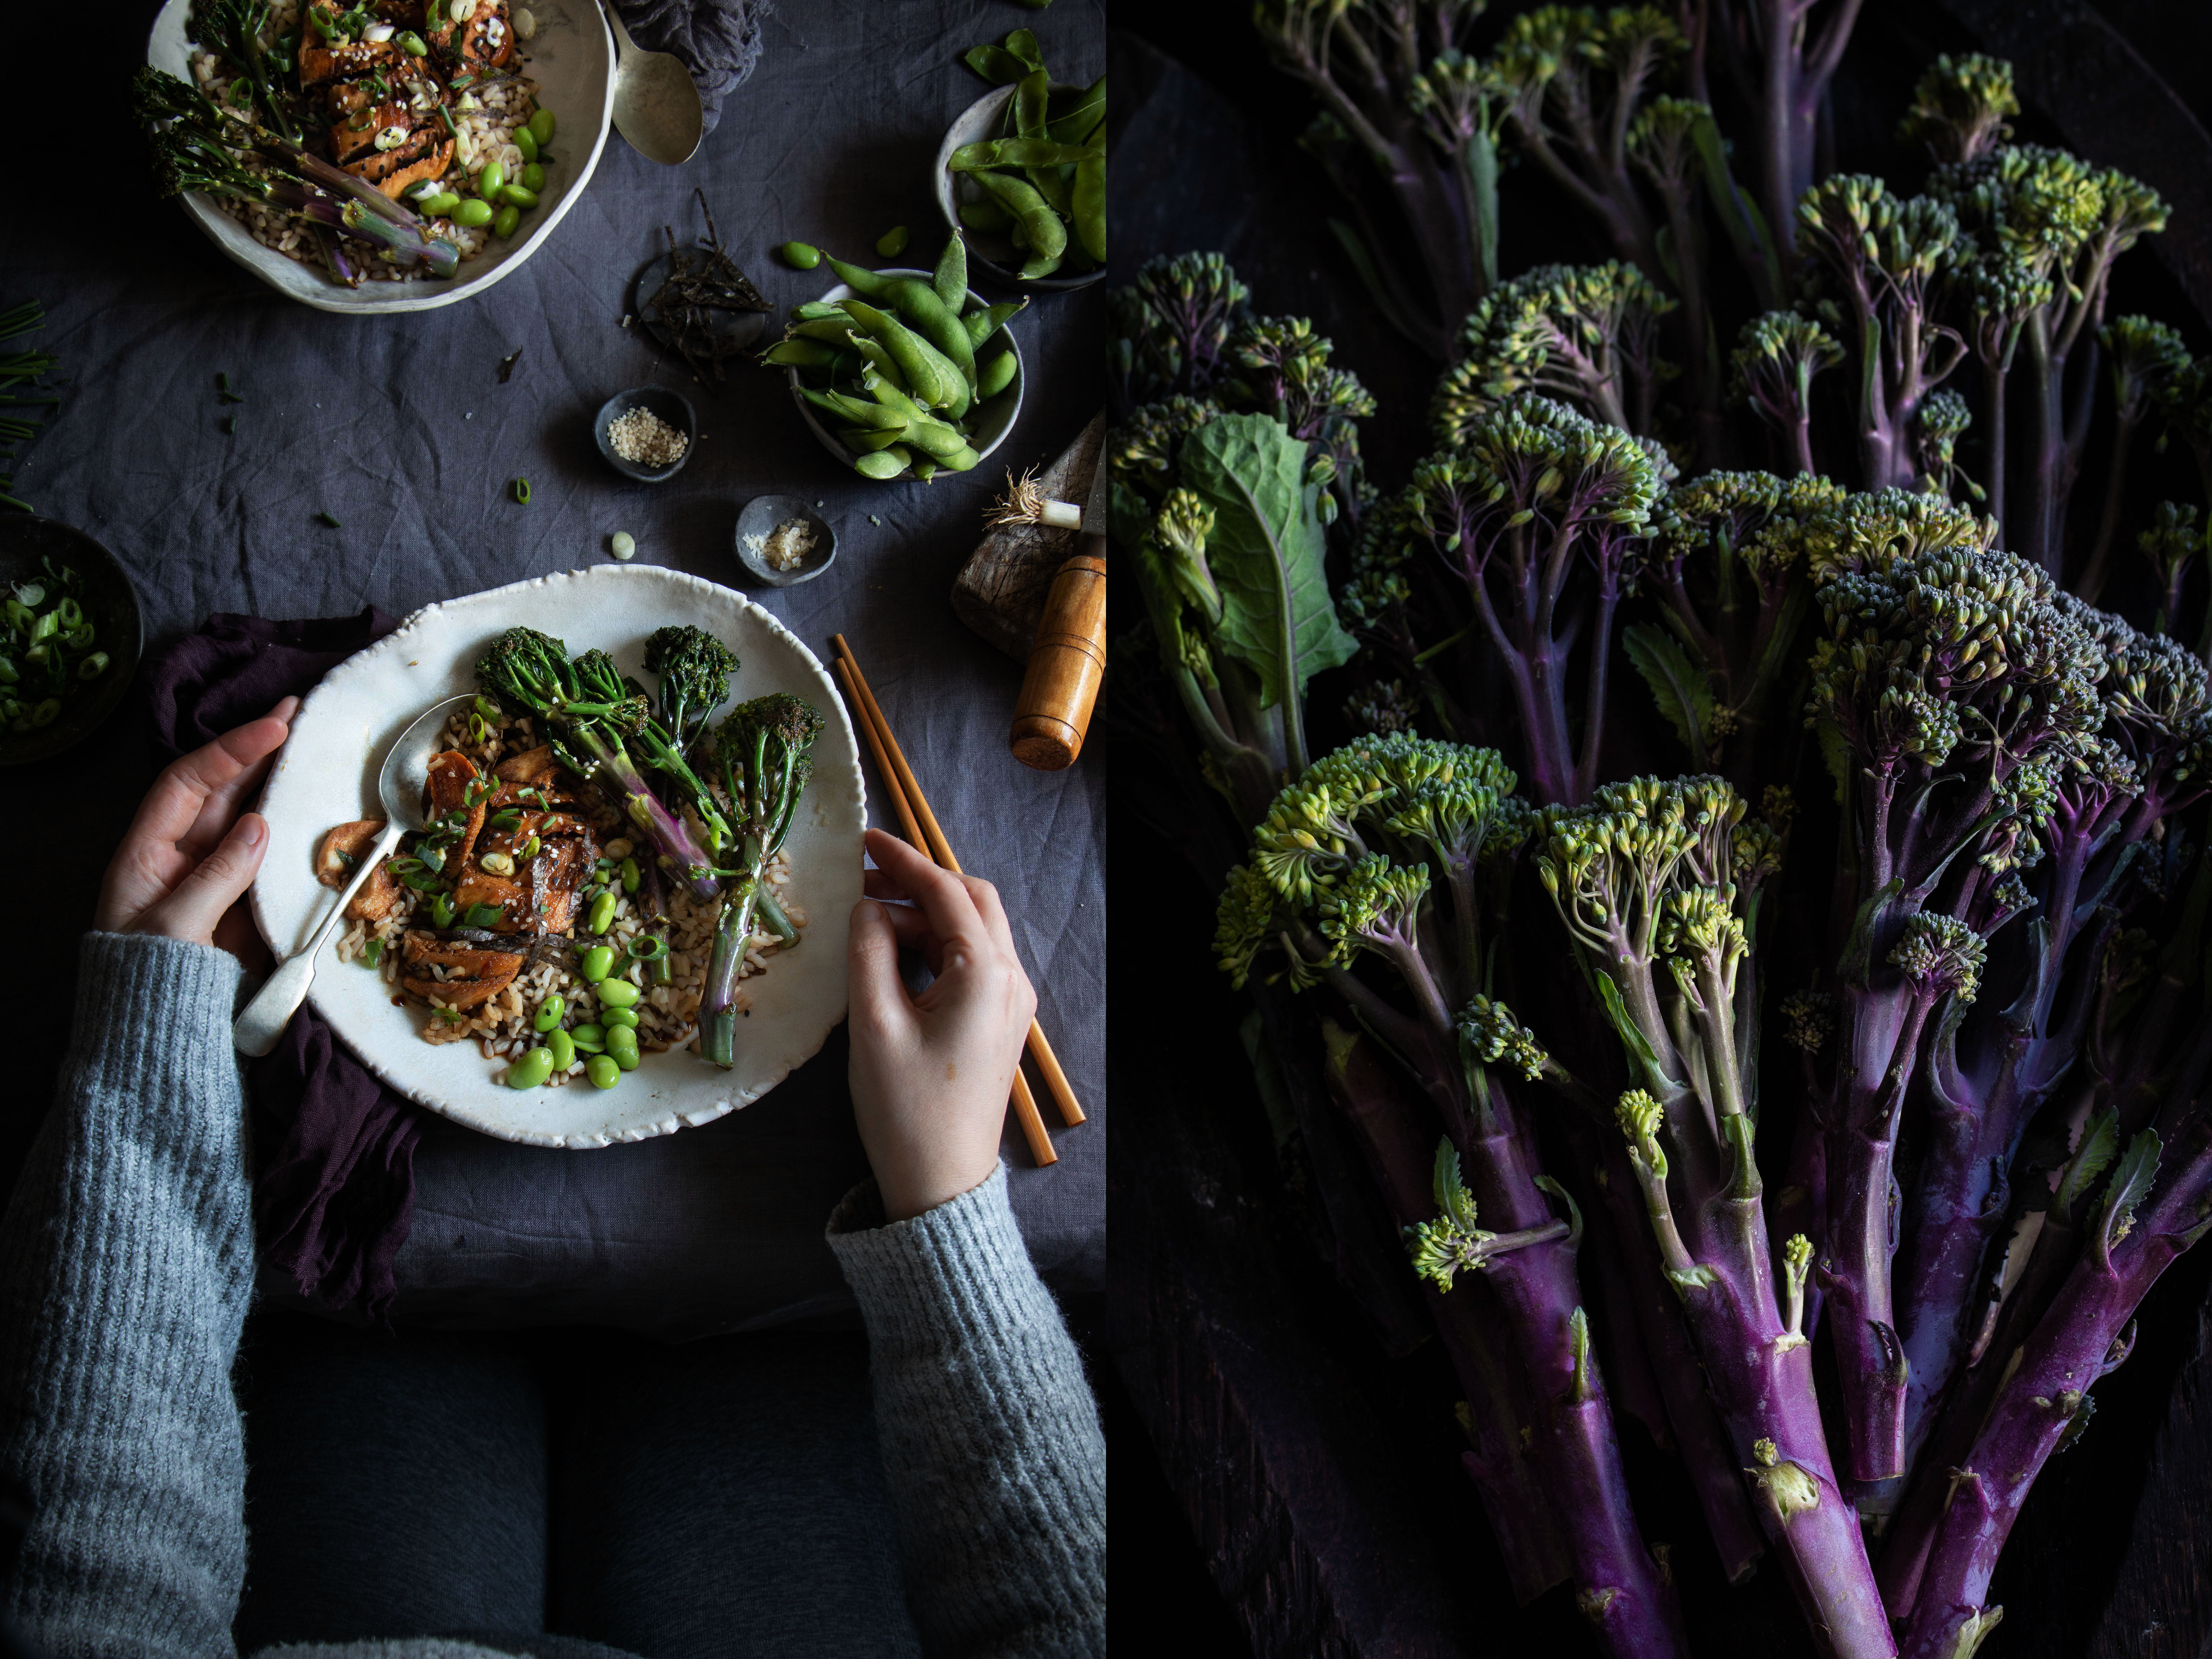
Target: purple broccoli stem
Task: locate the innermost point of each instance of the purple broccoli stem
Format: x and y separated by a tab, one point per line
614	771
2086	1334
733	932
1574	1455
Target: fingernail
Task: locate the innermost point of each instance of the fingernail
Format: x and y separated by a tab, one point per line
251	828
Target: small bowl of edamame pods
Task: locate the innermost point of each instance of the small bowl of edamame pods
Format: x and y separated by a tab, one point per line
967	205
991	418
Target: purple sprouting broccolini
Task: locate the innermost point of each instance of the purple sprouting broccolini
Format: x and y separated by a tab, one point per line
2158	1202
1658	886
1533	520
1380	876
1172	324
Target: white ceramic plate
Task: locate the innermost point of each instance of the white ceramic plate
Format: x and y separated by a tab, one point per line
572	60
326	775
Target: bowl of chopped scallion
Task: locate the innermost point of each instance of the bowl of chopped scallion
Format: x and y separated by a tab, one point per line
71	637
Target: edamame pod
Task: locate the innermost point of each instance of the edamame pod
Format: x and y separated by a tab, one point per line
932	437
1090	203
950	281
866	283
982	324
800	354
930	375
936	322
861	443
960	461
986	215
996	373
1048	236
1014	153
884	463
833	329
1023	43
563	1047
877	356
1032	96
924	468
857	410
532	1069
819	311
1074	124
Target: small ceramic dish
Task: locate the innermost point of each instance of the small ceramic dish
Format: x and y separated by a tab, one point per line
993	250
994	419
111	602
760	516
672	407
737	329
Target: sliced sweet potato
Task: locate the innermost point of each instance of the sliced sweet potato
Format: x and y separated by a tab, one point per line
533	766
340	855
482	974
450	774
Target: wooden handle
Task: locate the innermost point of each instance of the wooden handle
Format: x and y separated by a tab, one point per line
1066	665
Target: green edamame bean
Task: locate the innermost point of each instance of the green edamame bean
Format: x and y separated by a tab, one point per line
987	321
995	374
541	127
631	875
619	993
533	176
892	242
589	1038
820	311
550	1013
490	180
800	256
602	913
472	213
603	1072
563	1047
440	204
1047	236
532	1069
519	195
527	142
611	1017
883	463
621	1047
596	963
986	215
504	222
950	281
1090	203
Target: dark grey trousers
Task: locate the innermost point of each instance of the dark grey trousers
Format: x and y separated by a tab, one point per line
716	1498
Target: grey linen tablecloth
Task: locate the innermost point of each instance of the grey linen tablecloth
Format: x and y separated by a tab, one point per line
399	427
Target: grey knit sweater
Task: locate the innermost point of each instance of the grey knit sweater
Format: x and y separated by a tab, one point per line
125	1268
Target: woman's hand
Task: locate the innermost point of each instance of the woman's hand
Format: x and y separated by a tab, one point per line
190	855
931	1073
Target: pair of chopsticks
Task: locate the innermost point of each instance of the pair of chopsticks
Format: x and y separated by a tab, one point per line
920	825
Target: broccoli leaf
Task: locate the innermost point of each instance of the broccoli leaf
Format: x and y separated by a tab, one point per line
1266	553
1683	695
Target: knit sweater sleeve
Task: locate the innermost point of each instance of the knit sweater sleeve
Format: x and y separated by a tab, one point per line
991	1442
125	1268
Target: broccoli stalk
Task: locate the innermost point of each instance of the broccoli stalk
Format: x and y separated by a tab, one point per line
233	28
2155	1207
1655	875
2145	356
1587	336
1534	515
1883	252
589	711
1333	883
760	753
1776	357
1781	65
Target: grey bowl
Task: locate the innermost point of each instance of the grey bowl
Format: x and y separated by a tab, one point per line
760	515
995	421
672	407
993	250
109	599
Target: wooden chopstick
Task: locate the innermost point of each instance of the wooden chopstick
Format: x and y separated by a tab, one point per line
1040	1049
1025	1106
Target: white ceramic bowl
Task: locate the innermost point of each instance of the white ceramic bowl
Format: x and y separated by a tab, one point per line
991	430
571	56
326	775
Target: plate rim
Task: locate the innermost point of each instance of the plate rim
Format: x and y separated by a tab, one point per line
244	252
833	707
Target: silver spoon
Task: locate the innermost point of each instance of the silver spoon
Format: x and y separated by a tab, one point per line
657	103
400	786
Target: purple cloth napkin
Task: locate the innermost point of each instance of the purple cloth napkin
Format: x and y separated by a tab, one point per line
718	41
334	1191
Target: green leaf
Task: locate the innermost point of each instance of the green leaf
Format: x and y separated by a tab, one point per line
1266	553
1680	690
2101	1144
1632	1037
1836	754
2131	1179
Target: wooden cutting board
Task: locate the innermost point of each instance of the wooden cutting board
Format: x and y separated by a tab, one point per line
1000	591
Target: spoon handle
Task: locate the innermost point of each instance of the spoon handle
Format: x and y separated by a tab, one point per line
257	1030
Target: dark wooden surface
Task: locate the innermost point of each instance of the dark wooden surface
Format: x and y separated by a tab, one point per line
1316	1475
